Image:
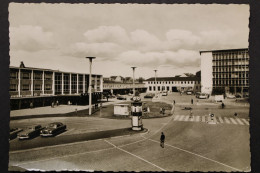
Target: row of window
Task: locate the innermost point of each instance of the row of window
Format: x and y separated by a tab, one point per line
230	82
174	82
167	88
229	55
239	75
27	87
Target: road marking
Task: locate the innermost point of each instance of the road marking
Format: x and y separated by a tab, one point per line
197	118
197	155
192	118
220	120
239	121
182	116
233	121
176	117
203	118
186	118
59	157
135	156
244	120
226	120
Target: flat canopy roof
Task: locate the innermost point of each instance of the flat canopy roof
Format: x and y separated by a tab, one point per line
223	50
174	79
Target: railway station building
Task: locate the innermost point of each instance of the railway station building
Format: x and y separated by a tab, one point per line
225	71
40	87
173	84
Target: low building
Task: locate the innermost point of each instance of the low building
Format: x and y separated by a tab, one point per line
173	84
41	87
225	71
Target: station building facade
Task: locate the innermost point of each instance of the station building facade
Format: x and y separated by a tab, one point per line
41	87
173	84
225	71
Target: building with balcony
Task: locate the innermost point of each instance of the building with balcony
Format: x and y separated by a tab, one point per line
44	86
225	71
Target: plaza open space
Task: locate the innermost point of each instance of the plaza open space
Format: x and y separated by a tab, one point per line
193	142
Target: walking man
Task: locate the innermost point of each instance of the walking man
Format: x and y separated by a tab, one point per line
162	139
191	101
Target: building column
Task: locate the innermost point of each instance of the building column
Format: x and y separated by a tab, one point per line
62	83
32	83
77	83
84	89
70	84
101	83
42	82
53	83
19	83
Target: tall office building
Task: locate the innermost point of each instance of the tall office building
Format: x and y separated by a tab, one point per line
225	71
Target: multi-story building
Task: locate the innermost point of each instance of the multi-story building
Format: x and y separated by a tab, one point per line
173	84
42	86
225	71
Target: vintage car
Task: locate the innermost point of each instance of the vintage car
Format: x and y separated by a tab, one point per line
53	129
30	132
203	96
149	95
13	133
121	97
189	92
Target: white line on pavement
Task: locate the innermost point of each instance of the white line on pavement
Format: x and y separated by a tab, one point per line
197	118
244	120
176	117
186	118
136	156
197	155
239	121
226	120
233	121
59	157
182	116
203	118
220	120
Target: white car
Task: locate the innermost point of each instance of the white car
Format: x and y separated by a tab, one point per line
164	94
203	96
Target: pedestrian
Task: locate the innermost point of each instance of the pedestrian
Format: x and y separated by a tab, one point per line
163	110
31	105
174	102
107	98
160	110
222	105
235	114
191	101
52	104
57	102
162	139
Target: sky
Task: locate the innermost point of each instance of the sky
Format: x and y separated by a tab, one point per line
165	37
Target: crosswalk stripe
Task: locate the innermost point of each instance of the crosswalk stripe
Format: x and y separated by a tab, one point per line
203	118
226	120
181	117
197	118
192	118
176	117
186	118
215	120
239	121
209	118
245	121
220	120
233	121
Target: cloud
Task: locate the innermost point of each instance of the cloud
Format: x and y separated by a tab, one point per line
30	38
101	50
114	34
179	58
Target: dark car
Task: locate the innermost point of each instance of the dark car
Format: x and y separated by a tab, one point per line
13	132
30	132
121	97
53	129
150	95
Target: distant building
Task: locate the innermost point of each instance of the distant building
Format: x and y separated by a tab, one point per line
42	86
116	78
173	84
225	71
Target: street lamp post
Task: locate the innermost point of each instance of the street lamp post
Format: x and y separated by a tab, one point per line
89	86
133	80
155	82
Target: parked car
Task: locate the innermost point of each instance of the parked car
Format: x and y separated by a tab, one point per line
164	93
189	92
149	95
203	96
30	132
121	97
52	129
238	95
231	96
13	133
197	94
